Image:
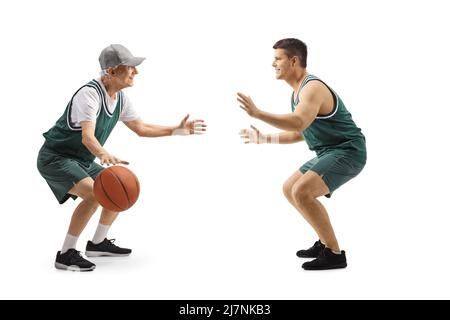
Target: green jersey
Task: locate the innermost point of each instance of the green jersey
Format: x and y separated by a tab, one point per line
335	131
65	137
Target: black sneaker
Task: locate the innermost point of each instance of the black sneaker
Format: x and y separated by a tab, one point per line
327	260
312	252
73	261
106	248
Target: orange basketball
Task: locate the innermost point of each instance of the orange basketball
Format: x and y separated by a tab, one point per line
116	188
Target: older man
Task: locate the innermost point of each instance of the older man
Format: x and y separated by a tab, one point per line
66	160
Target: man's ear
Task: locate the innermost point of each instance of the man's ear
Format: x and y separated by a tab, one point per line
110	71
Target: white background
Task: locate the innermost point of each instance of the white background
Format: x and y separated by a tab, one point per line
211	221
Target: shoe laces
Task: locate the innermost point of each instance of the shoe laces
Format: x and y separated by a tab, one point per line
315	245
77	256
111	242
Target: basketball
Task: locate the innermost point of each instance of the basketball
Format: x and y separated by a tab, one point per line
116	188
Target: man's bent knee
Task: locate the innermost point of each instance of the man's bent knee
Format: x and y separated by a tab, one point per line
287	189
91	202
301	194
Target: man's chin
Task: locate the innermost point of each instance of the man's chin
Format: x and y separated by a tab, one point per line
126	85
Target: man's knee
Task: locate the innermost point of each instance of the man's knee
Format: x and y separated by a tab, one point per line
301	194
287	189
89	200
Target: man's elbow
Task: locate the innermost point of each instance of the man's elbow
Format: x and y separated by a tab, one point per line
86	140
298	137
140	131
298	125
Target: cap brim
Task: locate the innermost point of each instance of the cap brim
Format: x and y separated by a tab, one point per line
133	62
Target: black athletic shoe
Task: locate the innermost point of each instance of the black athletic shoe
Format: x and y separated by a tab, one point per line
312	252
106	248
327	260
73	261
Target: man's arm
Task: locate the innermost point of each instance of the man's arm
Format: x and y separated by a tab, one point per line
91	143
304	115
149	130
253	135
152	130
287	137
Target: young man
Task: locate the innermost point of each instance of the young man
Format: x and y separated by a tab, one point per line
320	118
66	160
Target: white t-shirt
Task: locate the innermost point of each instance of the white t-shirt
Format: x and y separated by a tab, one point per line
86	103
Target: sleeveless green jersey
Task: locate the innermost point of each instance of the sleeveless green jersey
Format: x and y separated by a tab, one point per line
65	138
334	132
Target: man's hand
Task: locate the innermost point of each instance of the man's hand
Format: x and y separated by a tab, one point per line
106	158
253	135
189	127
247	105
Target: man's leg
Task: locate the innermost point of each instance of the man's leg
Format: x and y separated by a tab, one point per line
288	184
100	245
108	217
106	220
69	258
87	207
287	190
82	213
305	192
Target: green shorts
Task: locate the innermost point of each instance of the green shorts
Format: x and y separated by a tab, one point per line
62	173
335	169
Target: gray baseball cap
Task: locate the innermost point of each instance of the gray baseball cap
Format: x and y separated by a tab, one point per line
116	54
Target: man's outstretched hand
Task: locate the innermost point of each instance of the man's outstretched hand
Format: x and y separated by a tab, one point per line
253	135
190	127
247	105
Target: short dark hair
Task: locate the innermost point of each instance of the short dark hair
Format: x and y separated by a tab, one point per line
293	47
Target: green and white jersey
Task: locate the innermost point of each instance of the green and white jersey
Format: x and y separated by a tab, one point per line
86	103
65	136
334	132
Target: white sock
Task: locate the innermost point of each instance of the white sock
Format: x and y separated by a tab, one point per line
100	233
69	243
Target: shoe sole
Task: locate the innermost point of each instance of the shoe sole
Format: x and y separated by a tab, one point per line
61	266
337	266
105	254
